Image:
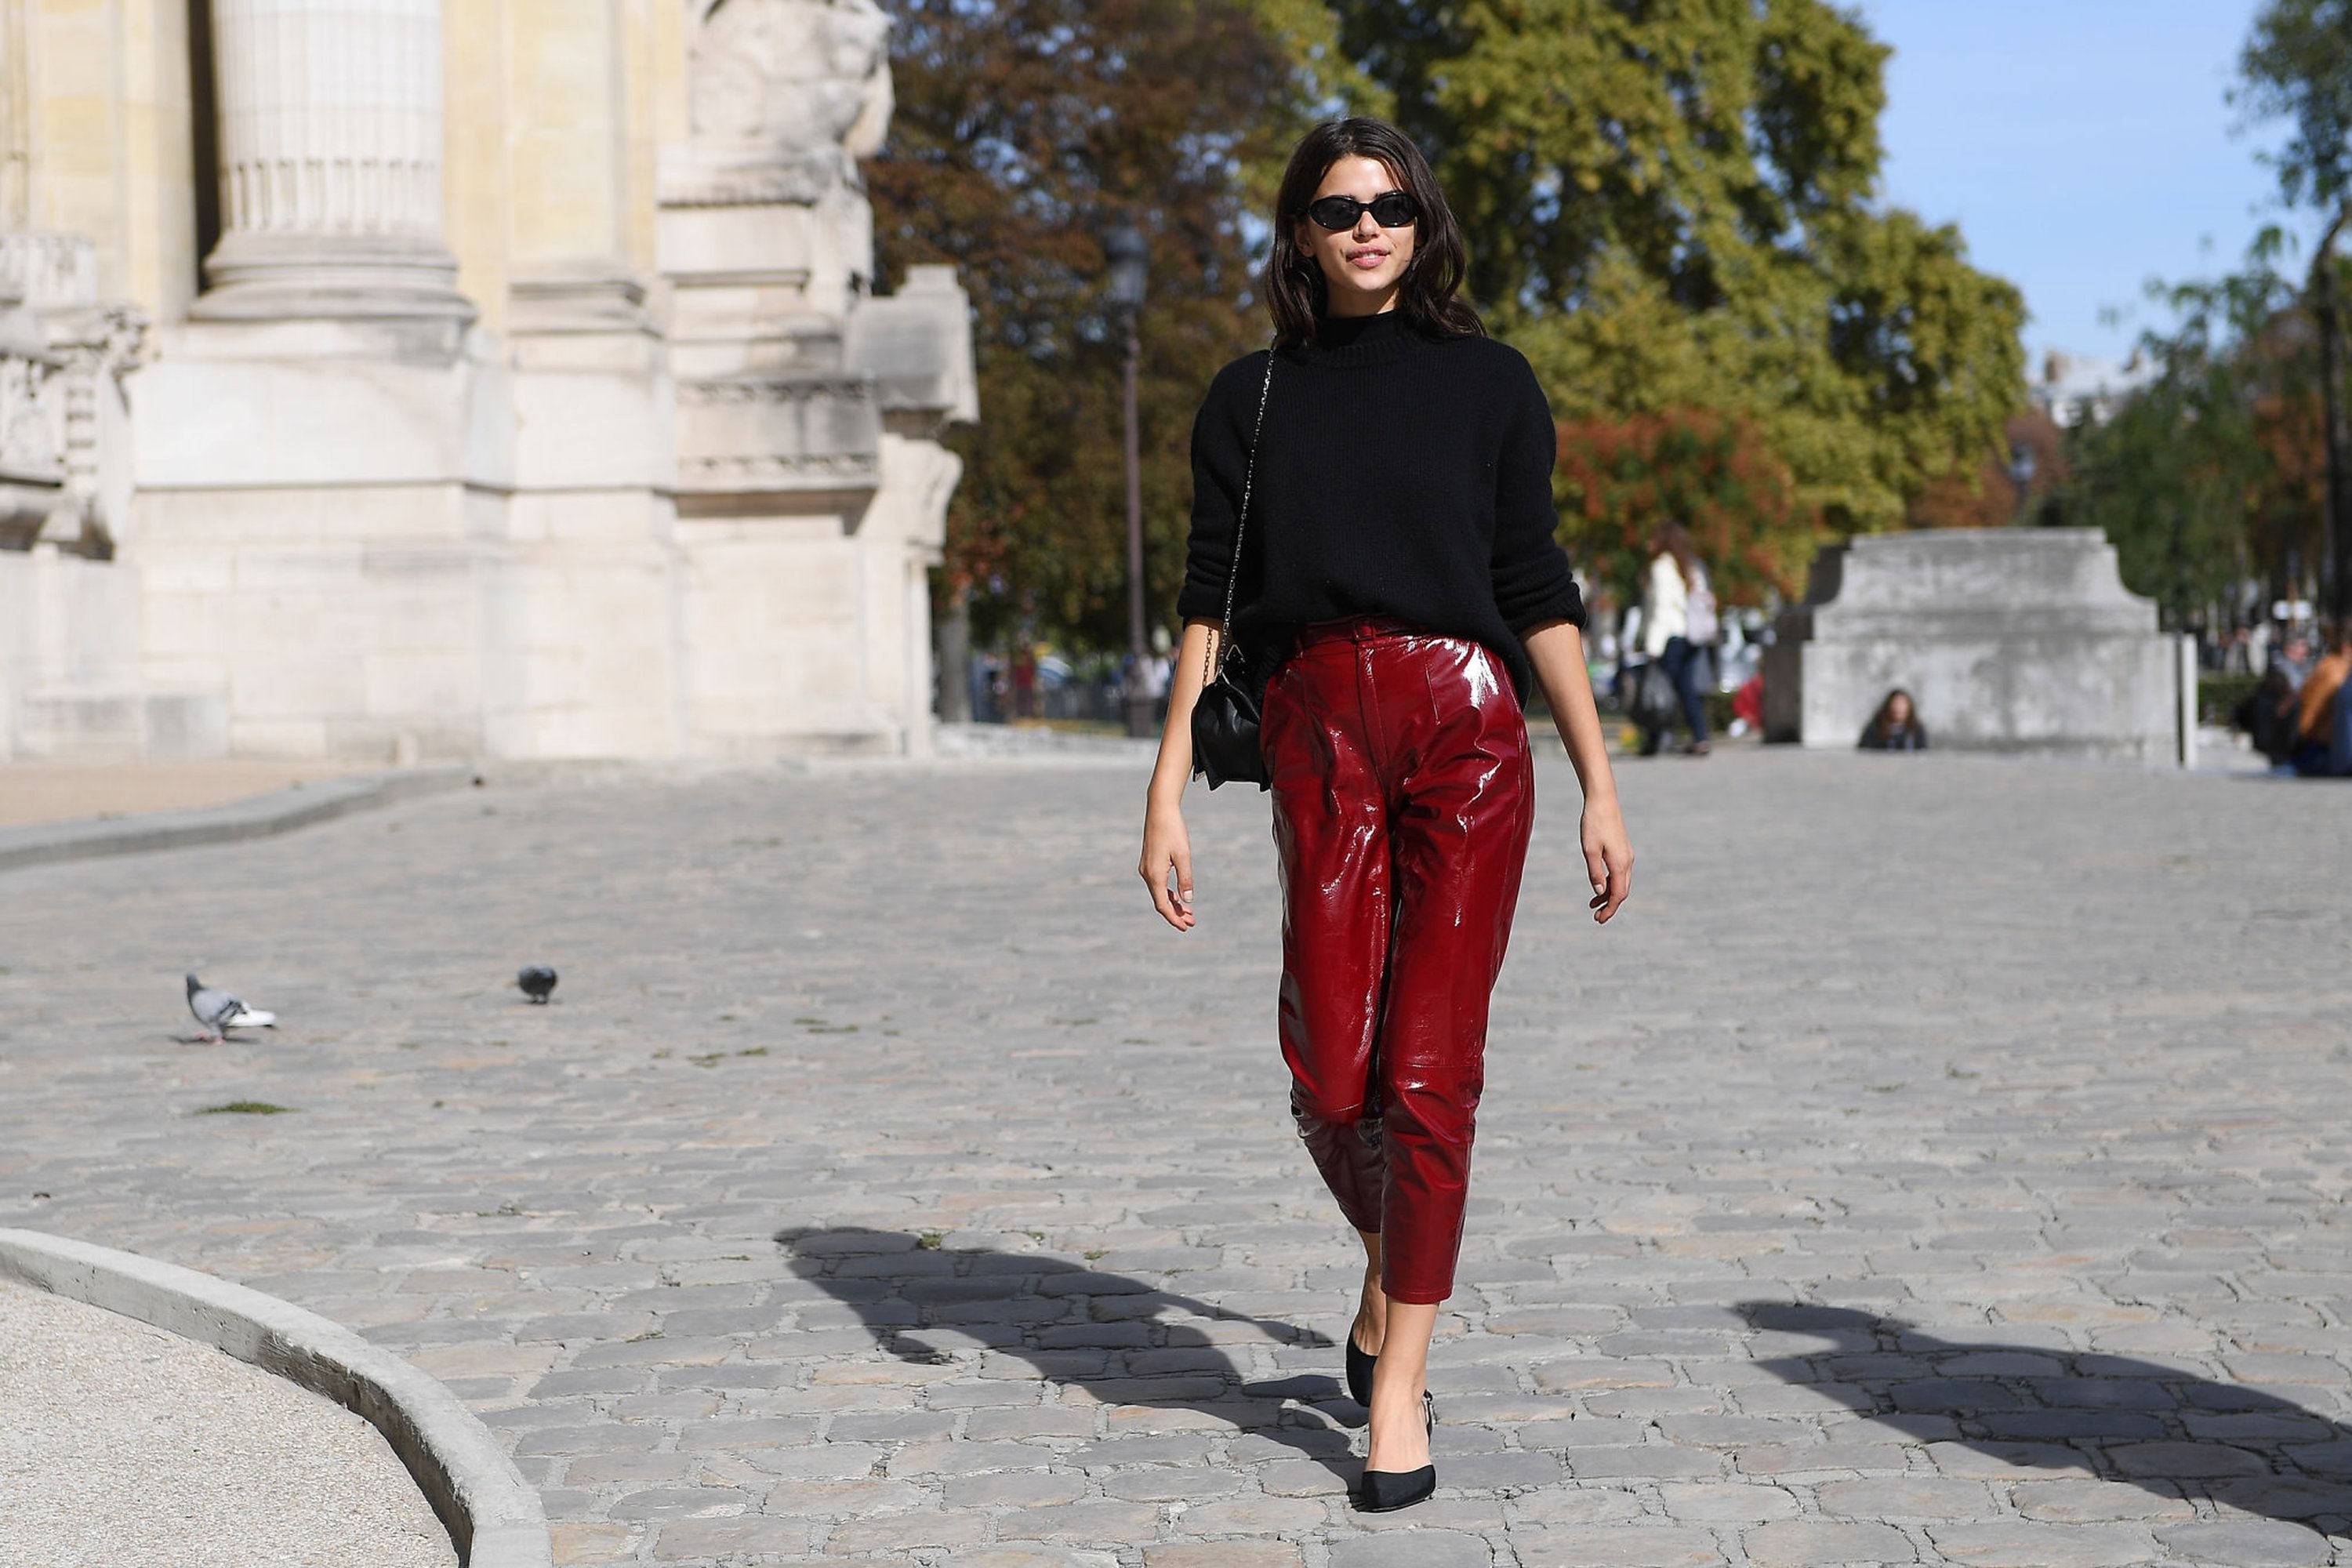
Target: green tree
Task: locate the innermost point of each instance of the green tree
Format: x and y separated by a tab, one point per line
2171	477
2297	65
1024	127
1669	207
2215	473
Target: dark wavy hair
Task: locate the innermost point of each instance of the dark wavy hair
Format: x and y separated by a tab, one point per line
1875	731
1430	294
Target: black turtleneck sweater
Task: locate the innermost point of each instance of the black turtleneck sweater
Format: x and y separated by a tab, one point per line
1398	475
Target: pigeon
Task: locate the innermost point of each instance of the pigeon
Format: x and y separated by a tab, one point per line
219	1012
537	982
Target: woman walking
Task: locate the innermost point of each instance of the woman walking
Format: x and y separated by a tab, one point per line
1389	468
1678	625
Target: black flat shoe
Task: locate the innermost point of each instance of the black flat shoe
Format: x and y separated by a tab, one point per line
1385	1491
1360	1372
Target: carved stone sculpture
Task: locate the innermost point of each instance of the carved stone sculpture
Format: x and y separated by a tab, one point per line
788	95
32	474
63	423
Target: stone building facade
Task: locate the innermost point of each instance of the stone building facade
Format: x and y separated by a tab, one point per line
415	378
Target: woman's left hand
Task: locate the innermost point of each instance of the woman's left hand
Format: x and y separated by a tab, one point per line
1557	650
1608	857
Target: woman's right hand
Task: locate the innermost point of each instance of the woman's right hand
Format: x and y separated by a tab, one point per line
1167	849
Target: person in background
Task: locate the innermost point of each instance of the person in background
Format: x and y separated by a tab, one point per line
1024	679
1747	705
1157	670
2340	736
1895	726
2294	658
2268	715
1603	653
1629	657
1678	622
2315	710
2258	647
2237	652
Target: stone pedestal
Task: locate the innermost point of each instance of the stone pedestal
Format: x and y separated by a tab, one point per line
70	685
2008	640
318	522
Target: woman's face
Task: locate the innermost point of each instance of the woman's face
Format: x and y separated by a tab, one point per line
1898	709
1363	265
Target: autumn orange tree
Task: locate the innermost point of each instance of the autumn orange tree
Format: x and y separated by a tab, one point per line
1023	129
1711	471
2286	502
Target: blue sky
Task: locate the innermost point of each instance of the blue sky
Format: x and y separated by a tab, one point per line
2083	146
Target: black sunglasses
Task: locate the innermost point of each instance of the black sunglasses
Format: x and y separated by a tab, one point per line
1389	209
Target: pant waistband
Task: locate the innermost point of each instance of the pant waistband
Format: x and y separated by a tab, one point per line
1360	629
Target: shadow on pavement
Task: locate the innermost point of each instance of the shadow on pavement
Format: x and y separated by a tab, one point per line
2161	1428
1081	1327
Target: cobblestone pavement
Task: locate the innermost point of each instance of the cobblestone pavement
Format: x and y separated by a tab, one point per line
1943	1161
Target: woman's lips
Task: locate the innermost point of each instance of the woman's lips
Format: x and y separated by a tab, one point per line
1367	259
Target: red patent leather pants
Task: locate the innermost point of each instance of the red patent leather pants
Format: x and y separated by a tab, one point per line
1403	795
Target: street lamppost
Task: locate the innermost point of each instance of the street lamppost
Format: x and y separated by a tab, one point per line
1130	255
2020	473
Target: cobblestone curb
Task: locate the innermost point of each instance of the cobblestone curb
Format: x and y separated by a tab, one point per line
280	811
495	1520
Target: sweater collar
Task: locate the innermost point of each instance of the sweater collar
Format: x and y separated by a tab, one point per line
1362	340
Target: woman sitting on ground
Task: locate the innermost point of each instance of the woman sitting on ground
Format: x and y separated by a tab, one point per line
1895	726
2315	712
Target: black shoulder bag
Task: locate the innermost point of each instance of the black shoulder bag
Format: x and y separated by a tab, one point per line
1225	718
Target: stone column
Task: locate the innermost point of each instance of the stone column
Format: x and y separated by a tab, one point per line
330	138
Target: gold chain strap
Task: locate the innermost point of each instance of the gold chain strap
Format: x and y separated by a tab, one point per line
1213	659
